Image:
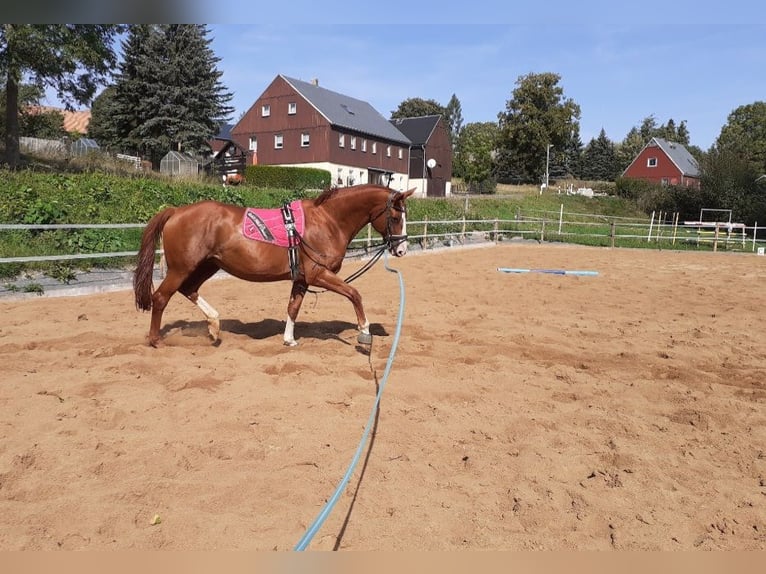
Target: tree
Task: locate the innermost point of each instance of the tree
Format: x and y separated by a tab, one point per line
417	107
104	109
33	122
475	151
599	159
537	115
729	181
568	162
744	134
454	114
167	93
72	58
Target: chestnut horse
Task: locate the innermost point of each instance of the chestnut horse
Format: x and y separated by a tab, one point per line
201	238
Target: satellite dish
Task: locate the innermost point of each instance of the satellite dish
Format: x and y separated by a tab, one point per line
431	163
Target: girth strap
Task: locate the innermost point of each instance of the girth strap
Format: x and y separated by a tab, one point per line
292	239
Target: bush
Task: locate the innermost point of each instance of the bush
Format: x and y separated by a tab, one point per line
633	188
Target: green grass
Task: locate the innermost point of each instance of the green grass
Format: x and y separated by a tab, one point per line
44	197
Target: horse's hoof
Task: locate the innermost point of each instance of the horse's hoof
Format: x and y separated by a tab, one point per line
292	343
364	339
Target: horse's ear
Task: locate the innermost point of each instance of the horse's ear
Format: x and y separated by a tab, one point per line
409	192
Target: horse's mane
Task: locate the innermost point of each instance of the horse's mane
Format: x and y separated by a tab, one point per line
325	195
331	192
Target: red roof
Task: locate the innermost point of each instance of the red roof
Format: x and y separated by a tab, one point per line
74	122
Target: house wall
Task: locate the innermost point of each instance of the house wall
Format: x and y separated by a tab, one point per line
347	163
664	170
440	148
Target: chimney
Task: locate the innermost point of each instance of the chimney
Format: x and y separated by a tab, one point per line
315	81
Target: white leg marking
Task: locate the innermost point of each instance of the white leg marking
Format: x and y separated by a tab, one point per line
213	323
289	337
365	328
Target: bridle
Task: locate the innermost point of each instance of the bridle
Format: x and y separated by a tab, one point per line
391	240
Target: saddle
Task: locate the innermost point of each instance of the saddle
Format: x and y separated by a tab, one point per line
280	226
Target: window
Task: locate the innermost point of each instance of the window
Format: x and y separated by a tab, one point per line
353	142
253	145
374	147
364	145
388	151
342	140
278	141
305	139
651	162
292	107
401	153
665	181
265	110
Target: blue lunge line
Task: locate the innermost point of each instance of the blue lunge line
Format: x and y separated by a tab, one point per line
330	504
551	271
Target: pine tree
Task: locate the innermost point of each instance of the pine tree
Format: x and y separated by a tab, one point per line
167	95
599	159
454	119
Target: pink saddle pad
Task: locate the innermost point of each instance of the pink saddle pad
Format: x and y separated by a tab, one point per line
267	224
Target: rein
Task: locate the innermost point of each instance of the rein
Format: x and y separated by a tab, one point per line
390	241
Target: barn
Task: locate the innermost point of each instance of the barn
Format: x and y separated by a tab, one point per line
666	163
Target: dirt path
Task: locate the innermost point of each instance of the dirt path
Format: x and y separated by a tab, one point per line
523	411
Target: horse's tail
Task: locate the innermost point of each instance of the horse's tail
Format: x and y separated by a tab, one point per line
142	278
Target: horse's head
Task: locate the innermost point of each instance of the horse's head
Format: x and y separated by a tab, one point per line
391	222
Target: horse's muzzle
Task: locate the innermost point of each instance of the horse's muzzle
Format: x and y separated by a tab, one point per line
397	245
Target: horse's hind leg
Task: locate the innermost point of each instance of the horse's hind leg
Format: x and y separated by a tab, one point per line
190	288
160	299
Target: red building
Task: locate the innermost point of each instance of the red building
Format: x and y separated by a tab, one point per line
665	163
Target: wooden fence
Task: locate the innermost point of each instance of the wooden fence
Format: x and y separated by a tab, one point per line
590	229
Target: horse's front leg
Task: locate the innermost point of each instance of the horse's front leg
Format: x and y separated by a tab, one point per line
330	281
293	306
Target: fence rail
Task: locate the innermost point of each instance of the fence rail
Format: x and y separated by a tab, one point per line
593	229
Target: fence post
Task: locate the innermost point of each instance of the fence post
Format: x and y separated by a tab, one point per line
495	231
755	234
542	232
369	236
715	239
660	221
651	226
424	241
462	231
611	232
675	226
561	217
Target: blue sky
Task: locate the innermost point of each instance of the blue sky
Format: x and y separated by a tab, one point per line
621	62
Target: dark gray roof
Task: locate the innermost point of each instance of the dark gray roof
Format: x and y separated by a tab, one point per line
346	112
224	132
419	129
680	156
